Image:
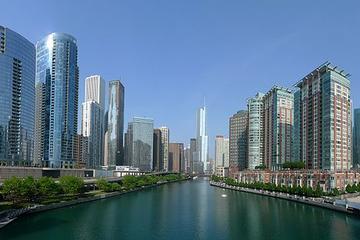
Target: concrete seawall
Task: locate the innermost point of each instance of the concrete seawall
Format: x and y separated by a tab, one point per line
309	201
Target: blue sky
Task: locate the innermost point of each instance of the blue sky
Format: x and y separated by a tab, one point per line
170	54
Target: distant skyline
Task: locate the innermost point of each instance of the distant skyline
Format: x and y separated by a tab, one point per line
185	50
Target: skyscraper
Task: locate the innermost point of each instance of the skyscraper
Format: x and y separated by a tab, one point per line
202	139
93	119
326	119
17	98
221	152
356	138
165	138
256	131
193	164
140	143
57	82
157	151
115	124
238	132
296	146
278	126
176	157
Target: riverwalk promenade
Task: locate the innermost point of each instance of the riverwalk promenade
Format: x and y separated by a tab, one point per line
318	202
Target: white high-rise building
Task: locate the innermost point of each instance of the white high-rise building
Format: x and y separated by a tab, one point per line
95	90
202	139
93	119
221	152
165	136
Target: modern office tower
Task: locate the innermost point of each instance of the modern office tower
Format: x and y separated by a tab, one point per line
296	146
57	83
140	143
17	98
356	139
81	153
115	124
157	151
92	128
238	132
221	152
193	164
326	119
95	90
256	131
278	126
187	159
202	139
93	119
176	157
165	137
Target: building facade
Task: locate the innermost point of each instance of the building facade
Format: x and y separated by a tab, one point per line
221	152
140	136
256	131
56	87
278	126
356	139
165	137
157	151
202	139
17	98
115	124
327	180
93	119
176	157
238	142
326	119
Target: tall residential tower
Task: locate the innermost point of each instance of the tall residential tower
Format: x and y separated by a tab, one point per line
326	119
56	115
17	98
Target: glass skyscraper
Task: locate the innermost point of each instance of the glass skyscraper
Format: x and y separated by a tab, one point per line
17	98
256	131
140	143
56	86
115	125
202	139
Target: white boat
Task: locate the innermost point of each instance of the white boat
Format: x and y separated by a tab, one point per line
223	195
194	178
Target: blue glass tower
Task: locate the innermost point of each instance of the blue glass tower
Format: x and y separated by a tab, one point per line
56	86
17	100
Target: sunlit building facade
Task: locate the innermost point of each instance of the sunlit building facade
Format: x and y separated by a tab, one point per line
115	124
202	148
140	143
326	119
17	98
278	126
93	119
56	115
255	131
165	138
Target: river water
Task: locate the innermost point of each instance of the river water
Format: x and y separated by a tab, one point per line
186	210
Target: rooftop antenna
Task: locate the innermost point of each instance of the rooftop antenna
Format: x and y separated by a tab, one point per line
204	102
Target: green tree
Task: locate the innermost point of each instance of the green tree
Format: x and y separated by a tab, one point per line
129	182
29	189
48	187
11	189
71	184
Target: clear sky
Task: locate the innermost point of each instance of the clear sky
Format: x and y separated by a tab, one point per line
170	54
